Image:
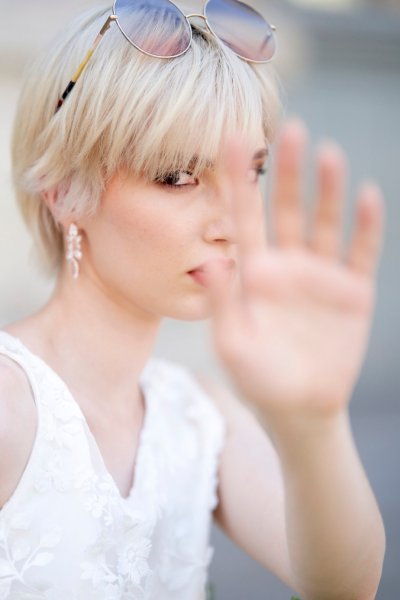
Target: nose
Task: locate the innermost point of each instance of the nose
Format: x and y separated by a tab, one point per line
221	222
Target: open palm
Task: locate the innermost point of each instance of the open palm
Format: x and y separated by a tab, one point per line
292	329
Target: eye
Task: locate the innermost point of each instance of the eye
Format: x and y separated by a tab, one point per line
177	179
259	171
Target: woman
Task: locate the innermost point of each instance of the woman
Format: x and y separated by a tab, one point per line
141	189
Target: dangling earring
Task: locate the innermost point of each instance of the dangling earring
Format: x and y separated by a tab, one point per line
74	249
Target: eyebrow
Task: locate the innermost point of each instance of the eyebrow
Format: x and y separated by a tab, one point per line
262	153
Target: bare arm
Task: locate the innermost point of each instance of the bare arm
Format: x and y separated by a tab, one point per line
292	331
336	535
308	510
17	426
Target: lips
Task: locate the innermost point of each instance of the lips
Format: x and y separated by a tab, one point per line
199	274
225	263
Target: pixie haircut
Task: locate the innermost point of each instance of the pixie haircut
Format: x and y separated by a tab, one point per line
128	111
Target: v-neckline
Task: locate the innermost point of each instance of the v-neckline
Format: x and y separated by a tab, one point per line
140	448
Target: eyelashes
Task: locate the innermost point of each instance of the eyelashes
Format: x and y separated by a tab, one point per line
171	180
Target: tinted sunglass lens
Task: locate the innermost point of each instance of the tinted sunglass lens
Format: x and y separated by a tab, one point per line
154	26
241	28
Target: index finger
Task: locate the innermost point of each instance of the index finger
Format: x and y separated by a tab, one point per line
247	200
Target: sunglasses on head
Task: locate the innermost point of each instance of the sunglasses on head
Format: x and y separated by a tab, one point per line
160	29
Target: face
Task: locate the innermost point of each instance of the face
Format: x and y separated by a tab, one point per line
147	237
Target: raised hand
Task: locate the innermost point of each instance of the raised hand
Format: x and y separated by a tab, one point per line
292	329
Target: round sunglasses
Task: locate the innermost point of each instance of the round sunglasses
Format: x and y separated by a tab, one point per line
160	29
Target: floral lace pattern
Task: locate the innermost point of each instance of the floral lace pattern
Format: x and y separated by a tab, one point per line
66	532
21	553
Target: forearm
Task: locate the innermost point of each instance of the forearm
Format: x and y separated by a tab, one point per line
336	537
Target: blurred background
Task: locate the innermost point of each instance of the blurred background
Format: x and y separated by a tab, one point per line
339	65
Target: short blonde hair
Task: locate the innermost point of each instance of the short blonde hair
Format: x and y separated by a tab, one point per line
127	111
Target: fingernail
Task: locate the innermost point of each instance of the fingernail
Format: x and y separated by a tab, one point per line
371	188
295	129
329	146
298	124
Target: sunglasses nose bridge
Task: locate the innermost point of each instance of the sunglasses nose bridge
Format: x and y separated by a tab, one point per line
196	15
203	17
199	16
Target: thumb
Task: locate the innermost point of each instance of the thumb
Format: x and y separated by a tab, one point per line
225	303
219	280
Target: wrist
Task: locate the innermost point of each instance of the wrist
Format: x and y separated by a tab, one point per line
296	435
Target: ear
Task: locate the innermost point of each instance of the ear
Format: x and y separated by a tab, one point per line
50	198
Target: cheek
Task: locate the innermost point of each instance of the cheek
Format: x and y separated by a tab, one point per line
144	241
142	254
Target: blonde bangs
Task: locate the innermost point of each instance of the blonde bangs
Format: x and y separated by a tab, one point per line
187	106
131	112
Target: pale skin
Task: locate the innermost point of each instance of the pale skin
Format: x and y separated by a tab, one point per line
291	329
292	332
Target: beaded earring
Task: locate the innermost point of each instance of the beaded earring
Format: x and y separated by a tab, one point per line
74	253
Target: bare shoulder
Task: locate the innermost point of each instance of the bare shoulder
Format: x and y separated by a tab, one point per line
243	426
14	388
236	413
18	422
245	434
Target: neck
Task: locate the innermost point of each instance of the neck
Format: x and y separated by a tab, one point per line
98	344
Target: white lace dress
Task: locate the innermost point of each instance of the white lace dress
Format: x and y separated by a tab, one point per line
66	533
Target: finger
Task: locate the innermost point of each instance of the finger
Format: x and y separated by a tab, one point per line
247	199
225	305
367	238
326	236
219	285
287	204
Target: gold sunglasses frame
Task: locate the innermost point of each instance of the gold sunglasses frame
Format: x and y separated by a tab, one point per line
113	17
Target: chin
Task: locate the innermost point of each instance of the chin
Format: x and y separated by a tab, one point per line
194	309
